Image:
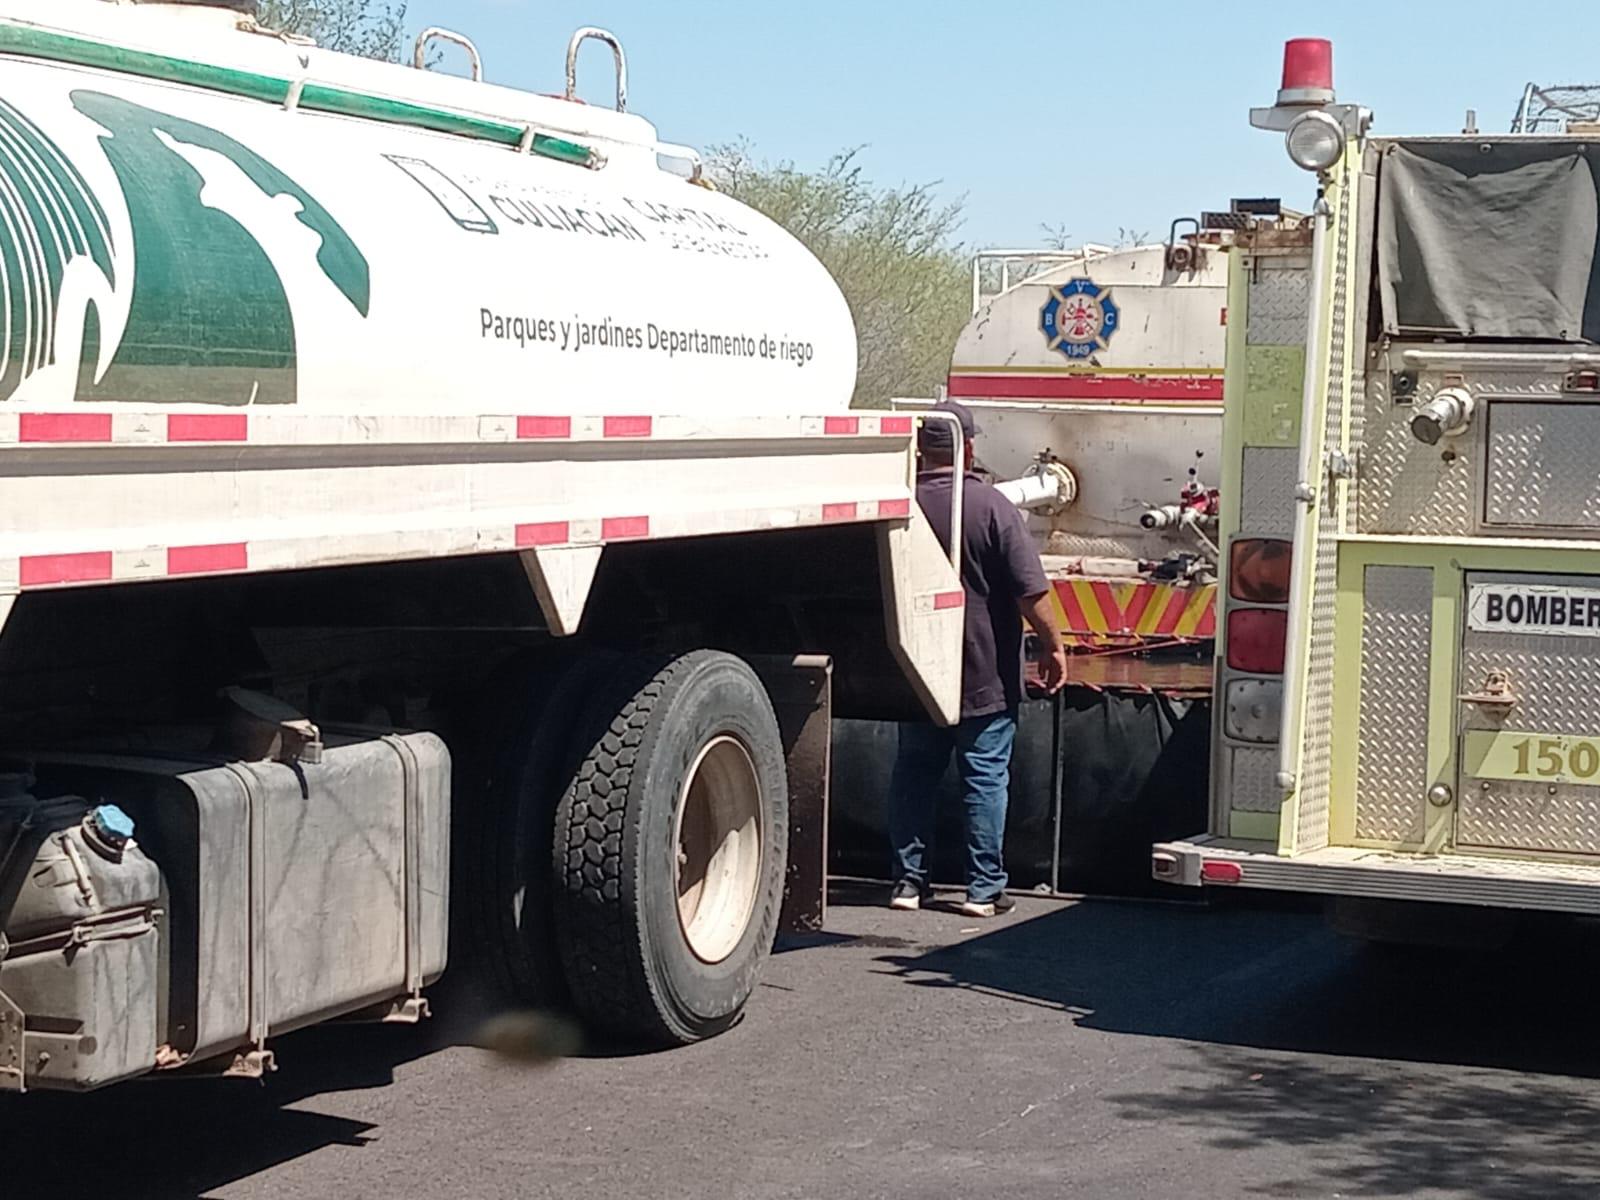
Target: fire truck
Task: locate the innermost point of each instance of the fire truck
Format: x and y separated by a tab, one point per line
1410	521
433	530
1096	375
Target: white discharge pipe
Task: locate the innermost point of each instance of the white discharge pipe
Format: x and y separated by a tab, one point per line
1306	494
1046	486
1030	491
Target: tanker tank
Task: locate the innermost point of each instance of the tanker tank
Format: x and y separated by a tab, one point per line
1096	376
372	239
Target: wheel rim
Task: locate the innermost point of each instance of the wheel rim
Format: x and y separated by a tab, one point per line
717	845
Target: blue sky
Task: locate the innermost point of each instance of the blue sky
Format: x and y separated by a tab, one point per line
1087	116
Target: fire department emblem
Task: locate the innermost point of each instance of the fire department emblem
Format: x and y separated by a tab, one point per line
1079	318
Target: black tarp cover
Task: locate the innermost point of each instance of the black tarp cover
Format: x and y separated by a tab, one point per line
1493	240
1131	769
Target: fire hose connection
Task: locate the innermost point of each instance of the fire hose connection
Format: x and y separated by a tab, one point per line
1448	414
1049	487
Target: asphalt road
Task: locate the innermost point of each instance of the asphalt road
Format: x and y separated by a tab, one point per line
1097	1050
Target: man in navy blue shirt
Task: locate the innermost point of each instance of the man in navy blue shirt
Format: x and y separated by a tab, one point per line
1004	583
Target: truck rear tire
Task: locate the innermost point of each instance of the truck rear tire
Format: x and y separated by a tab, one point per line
520	785
670	851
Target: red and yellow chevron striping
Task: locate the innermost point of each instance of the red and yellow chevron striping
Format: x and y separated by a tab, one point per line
1101	612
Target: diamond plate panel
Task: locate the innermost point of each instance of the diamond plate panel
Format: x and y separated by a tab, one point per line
1544	465
1267	490
1392	759
1529	816
1253	781
1407	487
1554	680
1280	300
1315	790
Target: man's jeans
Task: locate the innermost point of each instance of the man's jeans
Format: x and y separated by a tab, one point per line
982	748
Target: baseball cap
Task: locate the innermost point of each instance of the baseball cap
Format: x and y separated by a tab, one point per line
935	435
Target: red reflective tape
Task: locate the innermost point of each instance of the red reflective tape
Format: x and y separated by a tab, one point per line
1177	602
47	569
1208	621
841	425
208	427
544	533
1137	603
544	427
629	427
614	529
1110	610
205	560
64	427
1077	621
894	508
1109	389
948	600
840	512
896	425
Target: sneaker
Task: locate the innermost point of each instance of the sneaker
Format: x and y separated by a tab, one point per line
998	907
907	896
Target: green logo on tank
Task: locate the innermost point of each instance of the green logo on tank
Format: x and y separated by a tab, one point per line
209	318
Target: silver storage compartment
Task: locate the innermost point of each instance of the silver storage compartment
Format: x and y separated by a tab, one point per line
1525	460
1543	468
81	979
1530	735
298	892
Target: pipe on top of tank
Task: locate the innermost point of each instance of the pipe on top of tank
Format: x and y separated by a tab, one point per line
247	7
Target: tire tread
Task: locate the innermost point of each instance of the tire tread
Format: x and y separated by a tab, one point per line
600	948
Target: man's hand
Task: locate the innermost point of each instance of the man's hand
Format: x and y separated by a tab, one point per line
1052	654
1052	667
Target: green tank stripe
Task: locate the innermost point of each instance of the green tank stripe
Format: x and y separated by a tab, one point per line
29	42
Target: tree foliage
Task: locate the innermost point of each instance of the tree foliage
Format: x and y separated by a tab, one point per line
892	251
371	28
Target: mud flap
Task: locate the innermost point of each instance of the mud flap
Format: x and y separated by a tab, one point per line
924	613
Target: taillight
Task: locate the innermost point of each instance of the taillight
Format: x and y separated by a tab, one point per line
1214	870
1258	570
1256	638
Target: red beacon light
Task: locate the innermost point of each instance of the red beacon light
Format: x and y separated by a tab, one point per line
1315	128
1307	73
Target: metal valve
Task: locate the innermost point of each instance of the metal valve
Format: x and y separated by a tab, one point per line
1448	414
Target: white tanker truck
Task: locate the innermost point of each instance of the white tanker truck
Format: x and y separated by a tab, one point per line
427	519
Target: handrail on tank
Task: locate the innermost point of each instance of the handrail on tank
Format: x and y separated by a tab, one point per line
1519	124
688	154
419	57
1085	253
592	33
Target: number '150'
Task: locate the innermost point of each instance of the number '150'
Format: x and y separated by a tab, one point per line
1547	758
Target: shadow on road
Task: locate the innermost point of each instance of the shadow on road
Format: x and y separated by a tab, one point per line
1330	1048
1384	1074
182	1138
1363	1128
